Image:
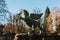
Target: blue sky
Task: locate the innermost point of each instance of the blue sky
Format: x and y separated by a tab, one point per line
15	5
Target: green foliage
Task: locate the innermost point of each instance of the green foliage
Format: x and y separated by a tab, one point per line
58	28
47	12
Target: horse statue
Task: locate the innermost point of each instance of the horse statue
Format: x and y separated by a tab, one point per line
26	21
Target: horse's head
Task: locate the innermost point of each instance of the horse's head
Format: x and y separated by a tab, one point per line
24	13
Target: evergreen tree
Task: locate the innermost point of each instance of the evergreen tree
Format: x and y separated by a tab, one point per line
5	15
47	12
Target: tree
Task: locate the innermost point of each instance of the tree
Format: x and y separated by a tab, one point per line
5	15
37	11
57	23
47	12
